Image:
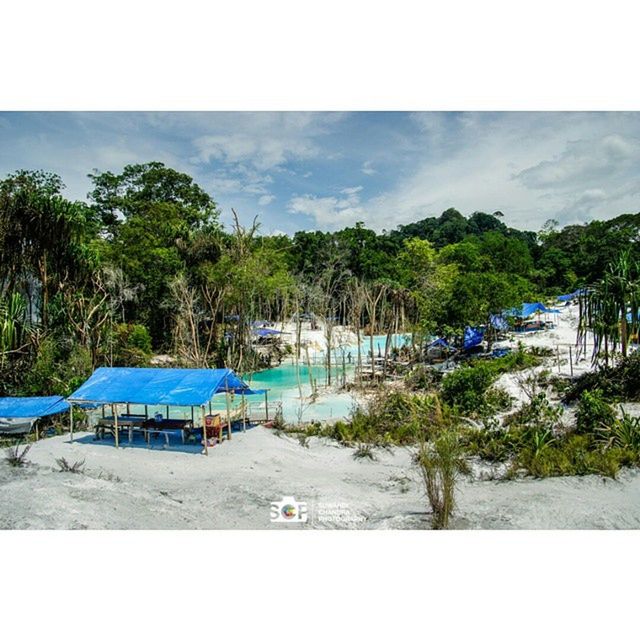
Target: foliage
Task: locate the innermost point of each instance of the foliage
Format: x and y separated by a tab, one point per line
68	467
423	378
132	345
573	455
440	461
616	383
622	433
465	388
15	457
610	309
364	451
594	413
538	415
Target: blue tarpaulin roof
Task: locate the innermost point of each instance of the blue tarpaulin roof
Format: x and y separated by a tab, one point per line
172	387
571	296
472	336
528	309
264	332
34	407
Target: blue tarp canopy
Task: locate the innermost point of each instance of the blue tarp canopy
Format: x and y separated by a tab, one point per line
472	337
571	296
528	309
439	342
264	332
171	387
34	407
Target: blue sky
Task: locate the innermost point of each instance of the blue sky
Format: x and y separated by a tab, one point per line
303	170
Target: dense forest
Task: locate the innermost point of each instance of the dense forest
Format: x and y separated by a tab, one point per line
144	266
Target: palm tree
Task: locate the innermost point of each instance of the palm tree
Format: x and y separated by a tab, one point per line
609	309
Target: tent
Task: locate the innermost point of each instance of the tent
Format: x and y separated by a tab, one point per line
157	386
18	415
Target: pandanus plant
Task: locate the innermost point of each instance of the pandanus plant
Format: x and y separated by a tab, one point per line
609	309
12	323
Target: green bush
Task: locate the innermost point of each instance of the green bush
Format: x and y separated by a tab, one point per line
423	378
538	414
619	383
465	388
131	345
594	413
440	461
575	455
623	433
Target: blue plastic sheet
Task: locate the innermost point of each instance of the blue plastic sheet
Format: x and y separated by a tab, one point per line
499	322
172	387
33	407
529	308
472	337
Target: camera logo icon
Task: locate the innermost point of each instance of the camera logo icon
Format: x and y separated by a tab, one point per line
288	510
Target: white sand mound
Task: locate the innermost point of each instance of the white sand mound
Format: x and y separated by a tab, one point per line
140	488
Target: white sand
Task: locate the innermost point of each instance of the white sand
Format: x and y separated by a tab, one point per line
233	487
136	487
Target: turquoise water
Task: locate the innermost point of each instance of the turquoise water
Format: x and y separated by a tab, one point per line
285	382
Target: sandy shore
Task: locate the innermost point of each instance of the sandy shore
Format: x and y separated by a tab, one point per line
142	488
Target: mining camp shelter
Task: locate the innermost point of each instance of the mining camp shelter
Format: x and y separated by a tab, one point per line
186	388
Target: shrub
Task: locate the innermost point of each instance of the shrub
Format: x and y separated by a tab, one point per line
15	457
618	383
423	378
623	433
66	467
594	413
440	462
574	455
538	414
364	451
132	345
465	388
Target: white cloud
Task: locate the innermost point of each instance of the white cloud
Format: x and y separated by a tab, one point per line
266	140
582	160
331	212
263	201
367	168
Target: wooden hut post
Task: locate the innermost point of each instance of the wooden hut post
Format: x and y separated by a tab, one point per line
226	395
115	424
204	433
244	414
71	421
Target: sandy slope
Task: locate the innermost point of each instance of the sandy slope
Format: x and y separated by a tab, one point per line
234	486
